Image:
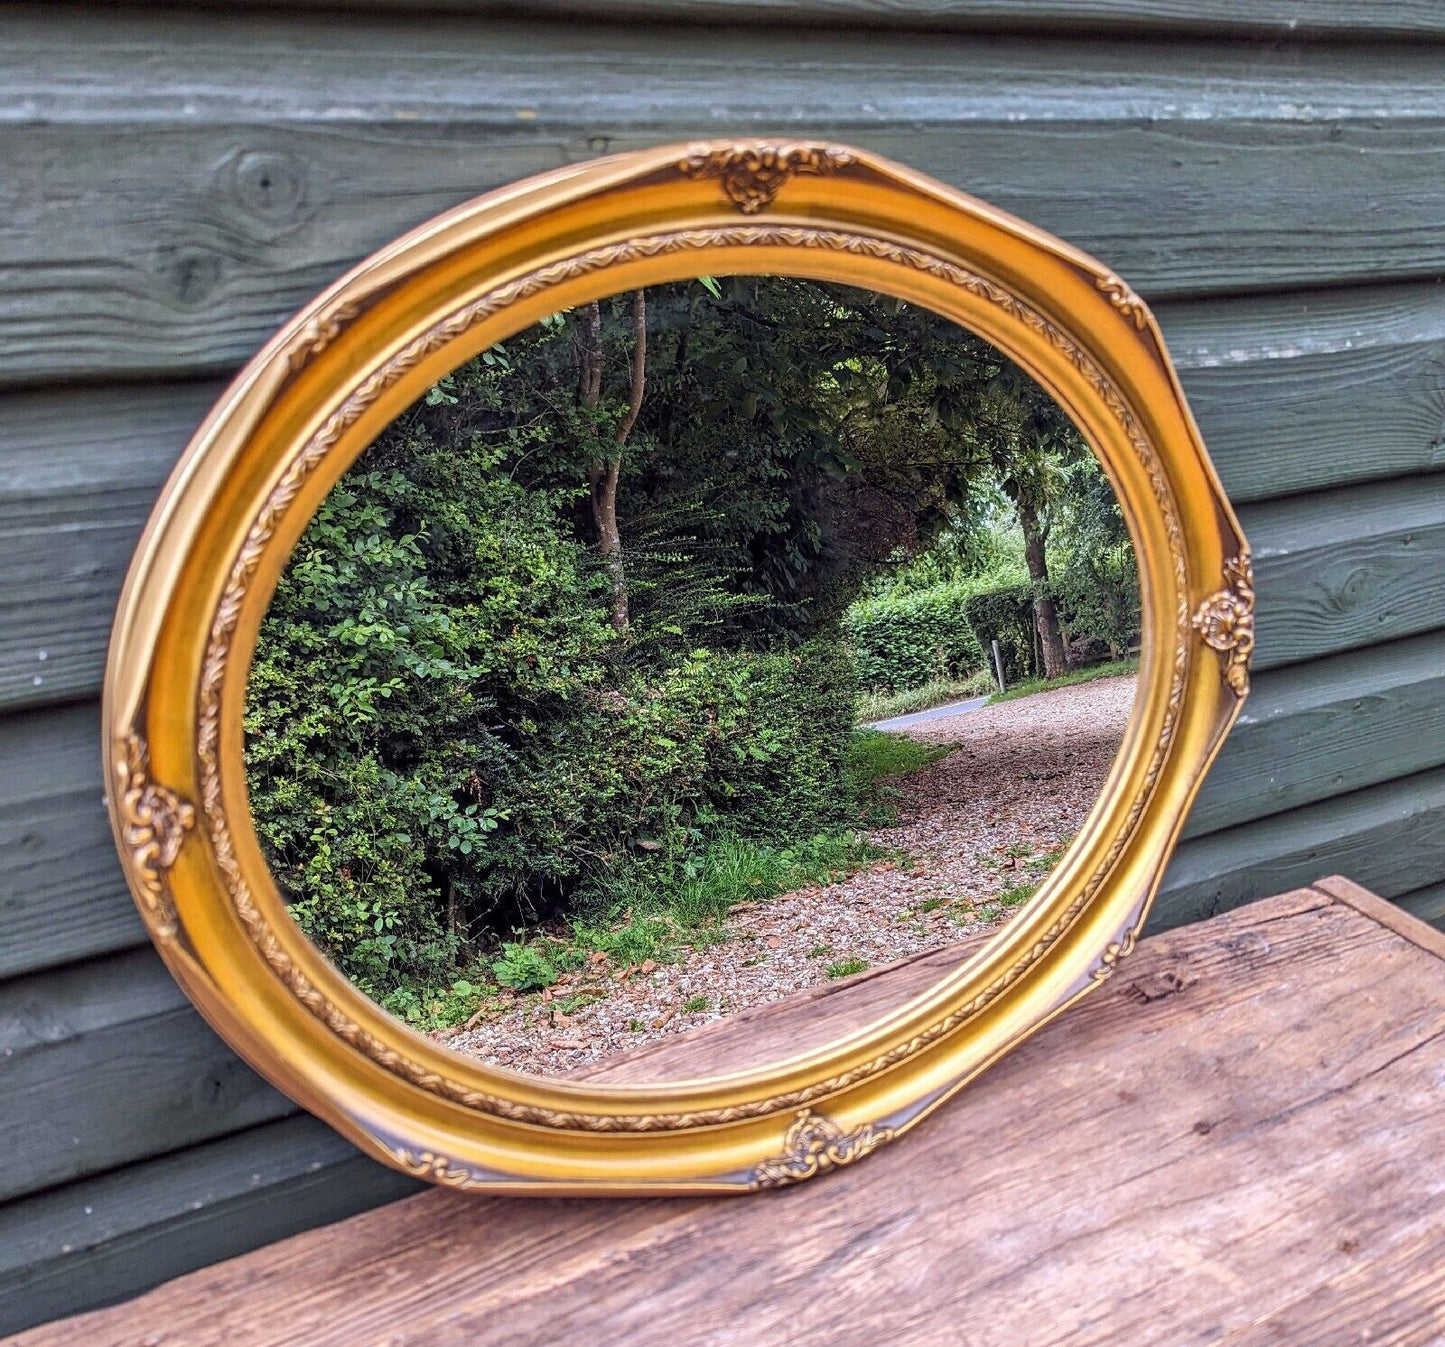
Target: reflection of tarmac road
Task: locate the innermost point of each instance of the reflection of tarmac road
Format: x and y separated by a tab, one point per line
918	717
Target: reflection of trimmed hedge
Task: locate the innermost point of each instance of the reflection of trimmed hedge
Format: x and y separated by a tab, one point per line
1098	610
1006	615
902	641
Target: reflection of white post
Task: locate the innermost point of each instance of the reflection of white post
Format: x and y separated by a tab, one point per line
998	667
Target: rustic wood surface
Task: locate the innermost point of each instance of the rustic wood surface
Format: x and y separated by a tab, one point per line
1252	1103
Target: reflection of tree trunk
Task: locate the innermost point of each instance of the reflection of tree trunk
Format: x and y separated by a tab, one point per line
589	358
454	915
1046	613
603	473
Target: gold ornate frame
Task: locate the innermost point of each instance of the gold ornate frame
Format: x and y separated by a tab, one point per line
334	376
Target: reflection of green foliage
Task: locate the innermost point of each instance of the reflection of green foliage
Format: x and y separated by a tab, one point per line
448	739
524	967
875	754
1005	613
445	736
902	640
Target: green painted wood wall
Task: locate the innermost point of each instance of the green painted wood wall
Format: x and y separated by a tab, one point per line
173	183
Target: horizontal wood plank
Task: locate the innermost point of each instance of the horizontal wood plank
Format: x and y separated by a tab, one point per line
79	472
1386	836
77	1041
1305	391
277	150
1268	18
1428	904
96	1242
1311	731
1285	1159
62	896
1347	568
80	469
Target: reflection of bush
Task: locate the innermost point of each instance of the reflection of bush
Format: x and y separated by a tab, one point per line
944	632
1099	605
444	737
903	640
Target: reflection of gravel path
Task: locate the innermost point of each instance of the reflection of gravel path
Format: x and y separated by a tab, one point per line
1022	777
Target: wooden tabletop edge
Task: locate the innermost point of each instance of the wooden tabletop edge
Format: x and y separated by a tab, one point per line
1381	910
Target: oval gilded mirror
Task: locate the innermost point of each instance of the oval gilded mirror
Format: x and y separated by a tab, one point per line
664	673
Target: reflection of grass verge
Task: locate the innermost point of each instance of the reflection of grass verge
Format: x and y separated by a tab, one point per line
936	692
652	914
1111	670
646	921
875	755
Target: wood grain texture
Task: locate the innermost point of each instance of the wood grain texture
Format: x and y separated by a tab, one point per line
1428	904
1325	728
278	149
1253	1100
80	470
1309	390
97	1242
174	185
62	895
1387	837
1269	18
75	1041
1387	914
1347	568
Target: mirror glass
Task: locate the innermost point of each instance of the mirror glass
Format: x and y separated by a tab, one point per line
740	640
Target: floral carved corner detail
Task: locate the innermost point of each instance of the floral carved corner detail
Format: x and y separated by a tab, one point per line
814	1145
1123	299
317	333
1225	621
753	175
154	821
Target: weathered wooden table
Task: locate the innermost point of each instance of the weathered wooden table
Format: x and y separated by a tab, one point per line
1240	1139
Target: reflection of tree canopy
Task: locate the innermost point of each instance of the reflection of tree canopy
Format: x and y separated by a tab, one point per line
569	622
800	435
